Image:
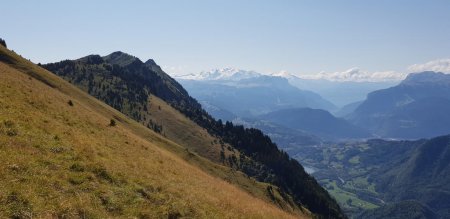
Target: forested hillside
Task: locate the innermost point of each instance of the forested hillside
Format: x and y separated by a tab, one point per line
382	173
126	83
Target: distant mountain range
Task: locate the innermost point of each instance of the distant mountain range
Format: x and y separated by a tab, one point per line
317	122
416	108
339	93
225	74
227	92
361	175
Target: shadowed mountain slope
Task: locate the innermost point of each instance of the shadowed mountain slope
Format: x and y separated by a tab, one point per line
416	108
317	122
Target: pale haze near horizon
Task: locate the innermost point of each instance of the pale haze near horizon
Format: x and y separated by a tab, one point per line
300	37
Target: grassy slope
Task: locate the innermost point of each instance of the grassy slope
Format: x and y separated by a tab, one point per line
129	88
183	131
196	140
57	159
176	127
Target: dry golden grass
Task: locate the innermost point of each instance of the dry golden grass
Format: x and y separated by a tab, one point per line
183	131
58	160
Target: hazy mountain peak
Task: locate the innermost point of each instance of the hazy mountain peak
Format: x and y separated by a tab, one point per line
120	58
155	67
228	74
427	77
416	108
356	75
91	59
150	62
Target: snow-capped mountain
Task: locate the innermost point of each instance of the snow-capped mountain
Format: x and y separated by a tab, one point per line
225	74
284	74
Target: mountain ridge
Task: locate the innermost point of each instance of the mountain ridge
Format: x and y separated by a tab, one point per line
317	122
225	74
426	77
62	141
256	155
398	112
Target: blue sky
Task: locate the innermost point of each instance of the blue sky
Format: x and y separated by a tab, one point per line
266	36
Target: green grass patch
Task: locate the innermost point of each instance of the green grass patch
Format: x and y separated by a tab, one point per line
354	160
360	183
339	156
364	147
346	199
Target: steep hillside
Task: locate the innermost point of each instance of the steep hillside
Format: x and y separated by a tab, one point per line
426	172
136	88
131	87
315	121
416	108
65	154
384	173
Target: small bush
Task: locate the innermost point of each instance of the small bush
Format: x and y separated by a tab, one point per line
76	167
144	193
8	127
83	213
77	180
143	215
110	204
112	122
101	173
70	103
19	206
270	193
3	43
174	215
11	132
